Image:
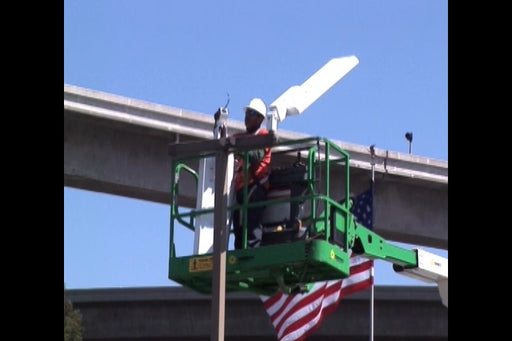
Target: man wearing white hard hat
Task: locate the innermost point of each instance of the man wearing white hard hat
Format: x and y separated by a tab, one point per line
259	170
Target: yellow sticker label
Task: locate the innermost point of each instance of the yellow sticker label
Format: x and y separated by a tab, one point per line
200	264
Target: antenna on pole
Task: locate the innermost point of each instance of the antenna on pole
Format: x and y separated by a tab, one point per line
408	137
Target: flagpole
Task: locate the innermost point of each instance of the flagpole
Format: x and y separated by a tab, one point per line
372	291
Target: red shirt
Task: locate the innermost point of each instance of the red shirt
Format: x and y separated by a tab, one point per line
261	170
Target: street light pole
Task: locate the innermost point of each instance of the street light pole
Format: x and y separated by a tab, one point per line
408	137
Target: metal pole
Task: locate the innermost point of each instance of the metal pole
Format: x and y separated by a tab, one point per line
372	297
408	137
372	288
219	247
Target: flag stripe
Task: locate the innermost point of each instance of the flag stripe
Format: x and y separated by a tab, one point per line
309	322
309	308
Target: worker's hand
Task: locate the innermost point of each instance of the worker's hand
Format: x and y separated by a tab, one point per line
237	162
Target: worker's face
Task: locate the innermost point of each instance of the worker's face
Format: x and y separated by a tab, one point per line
252	120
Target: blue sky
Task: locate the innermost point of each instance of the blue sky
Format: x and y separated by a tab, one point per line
191	54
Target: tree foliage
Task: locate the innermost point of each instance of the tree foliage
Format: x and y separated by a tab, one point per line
72	321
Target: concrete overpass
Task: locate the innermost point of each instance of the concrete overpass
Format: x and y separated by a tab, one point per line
179	314
119	145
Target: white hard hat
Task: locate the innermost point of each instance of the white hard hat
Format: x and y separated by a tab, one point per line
258	105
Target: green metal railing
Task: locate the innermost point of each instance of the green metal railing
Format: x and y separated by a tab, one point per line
321	156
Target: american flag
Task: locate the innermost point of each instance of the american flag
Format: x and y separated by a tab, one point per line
363	208
297	316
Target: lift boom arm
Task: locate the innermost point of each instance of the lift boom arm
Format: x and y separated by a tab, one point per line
416	263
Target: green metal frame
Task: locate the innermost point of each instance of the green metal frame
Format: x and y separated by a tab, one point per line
293	265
